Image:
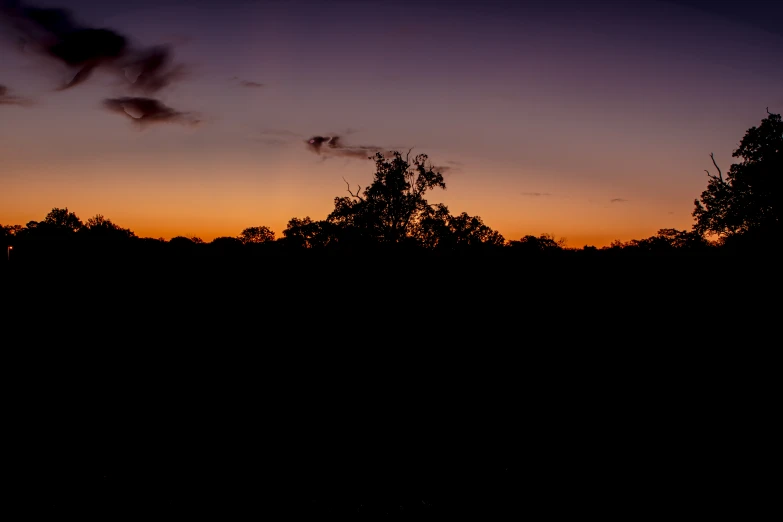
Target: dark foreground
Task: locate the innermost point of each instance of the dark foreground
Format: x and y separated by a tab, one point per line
389	387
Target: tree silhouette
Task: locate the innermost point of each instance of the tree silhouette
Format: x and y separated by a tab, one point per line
98	227
667	240
748	200
543	244
58	223
61	218
438	229
256	235
183	242
390	209
306	233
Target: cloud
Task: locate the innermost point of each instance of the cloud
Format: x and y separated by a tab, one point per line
7	99
455	163
247	83
54	33
618	200
536	194
146	111
252	85
443	169
333	146
152	69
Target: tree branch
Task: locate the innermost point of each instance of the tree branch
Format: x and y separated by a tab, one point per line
720	174
357	190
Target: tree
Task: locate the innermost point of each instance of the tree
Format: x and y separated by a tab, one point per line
306	233
184	242
58	224
10	230
748	201
256	235
390	209
545	243
99	227
227	245
61	219
438	229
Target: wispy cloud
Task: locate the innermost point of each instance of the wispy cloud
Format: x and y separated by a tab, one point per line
53	32
147	111
618	200
333	146
247	83
252	85
536	194
8	99
444	169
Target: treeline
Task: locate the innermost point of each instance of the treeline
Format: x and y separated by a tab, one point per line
63	231
392	215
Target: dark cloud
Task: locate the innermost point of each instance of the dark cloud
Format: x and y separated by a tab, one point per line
247	83
536	194
53	32
7	99
152	69
618	200
146	111
316	142
455	163
333	146
252	85
443	169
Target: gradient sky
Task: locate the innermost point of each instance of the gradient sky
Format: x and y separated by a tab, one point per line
591	122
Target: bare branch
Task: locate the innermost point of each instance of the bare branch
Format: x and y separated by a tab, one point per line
357	190
720	174
769	113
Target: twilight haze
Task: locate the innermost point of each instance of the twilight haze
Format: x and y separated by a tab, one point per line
590	121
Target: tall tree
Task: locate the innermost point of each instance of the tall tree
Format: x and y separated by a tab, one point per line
61	218
391	207
749	199
59	223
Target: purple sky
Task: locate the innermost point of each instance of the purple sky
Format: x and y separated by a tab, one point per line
590	122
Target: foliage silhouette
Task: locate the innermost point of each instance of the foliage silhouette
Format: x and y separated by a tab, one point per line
260	234
543	244
306	233
98	227
748	201
393	206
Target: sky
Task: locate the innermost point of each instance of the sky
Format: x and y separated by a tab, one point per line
590	122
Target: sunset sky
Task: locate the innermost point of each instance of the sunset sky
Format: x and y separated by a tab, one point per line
592	121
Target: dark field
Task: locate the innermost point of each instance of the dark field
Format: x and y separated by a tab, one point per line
401	386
